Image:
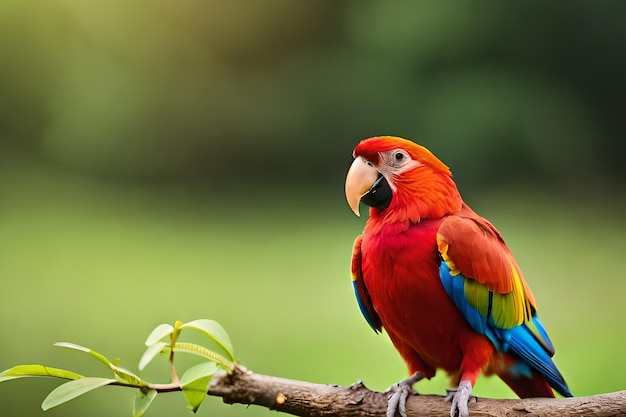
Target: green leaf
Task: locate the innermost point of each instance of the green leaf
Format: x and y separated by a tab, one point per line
151	353
121	374
73	389
159	333
195	383
22	371
178	326
214	331
127	377
205	353
92	352
143	401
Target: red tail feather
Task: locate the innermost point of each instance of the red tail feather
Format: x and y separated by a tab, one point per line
536	386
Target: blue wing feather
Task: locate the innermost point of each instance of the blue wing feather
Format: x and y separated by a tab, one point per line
455	289
519	339
363	308
360	291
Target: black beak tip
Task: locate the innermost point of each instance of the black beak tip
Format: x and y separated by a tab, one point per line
379	195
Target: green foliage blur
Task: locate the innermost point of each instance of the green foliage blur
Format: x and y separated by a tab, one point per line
165	161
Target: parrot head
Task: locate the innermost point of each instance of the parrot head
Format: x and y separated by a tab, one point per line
391	174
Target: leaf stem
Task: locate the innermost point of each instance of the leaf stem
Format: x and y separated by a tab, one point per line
175	379
173	339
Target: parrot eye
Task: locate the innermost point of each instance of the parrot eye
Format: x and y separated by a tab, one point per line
397	161
398	158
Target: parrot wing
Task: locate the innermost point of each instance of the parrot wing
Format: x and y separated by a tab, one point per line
362	296
483	280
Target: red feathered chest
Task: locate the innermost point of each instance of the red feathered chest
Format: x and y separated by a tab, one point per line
401	273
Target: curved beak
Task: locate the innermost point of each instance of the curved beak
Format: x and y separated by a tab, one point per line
361	176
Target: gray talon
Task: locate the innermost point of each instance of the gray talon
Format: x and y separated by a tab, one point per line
399	394
449	394
460	397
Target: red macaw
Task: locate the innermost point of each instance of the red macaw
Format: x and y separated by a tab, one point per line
440	279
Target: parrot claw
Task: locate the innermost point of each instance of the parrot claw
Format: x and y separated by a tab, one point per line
399	394
459	398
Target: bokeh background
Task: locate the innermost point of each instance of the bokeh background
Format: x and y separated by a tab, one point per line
166	160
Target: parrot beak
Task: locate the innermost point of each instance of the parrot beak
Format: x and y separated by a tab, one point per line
361	177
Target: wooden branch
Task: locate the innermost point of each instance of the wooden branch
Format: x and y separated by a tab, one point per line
315	400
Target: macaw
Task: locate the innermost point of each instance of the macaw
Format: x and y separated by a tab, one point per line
440	279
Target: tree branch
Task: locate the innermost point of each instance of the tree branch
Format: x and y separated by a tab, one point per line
312	400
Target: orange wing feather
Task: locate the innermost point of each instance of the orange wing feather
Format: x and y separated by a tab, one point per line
478	251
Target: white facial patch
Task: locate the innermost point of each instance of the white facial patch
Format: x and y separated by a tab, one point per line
395	162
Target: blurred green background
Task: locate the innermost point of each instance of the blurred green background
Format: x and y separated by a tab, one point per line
166	160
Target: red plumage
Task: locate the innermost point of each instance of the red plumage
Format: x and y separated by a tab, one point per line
396	269
401	273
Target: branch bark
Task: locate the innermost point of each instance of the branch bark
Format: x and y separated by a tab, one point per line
302	398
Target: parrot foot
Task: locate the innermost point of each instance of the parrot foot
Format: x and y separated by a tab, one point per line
399	394
459	398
